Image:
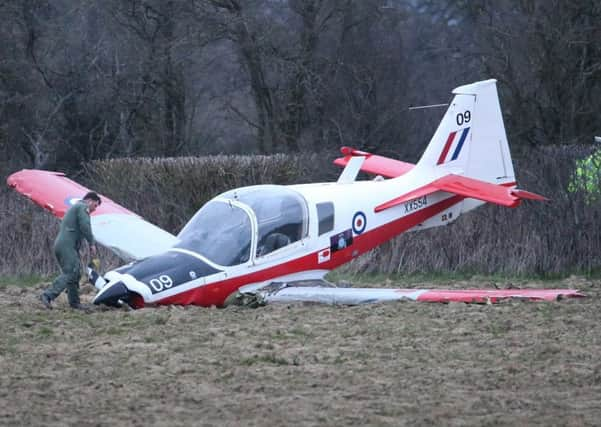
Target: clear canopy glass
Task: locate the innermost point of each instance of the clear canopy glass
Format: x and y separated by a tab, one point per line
222	230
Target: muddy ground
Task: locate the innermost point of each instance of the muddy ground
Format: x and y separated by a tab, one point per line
403	363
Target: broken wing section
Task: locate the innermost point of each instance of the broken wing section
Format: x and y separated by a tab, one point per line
129	236
125	233
355	296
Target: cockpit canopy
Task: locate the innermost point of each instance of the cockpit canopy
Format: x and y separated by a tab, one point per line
258	220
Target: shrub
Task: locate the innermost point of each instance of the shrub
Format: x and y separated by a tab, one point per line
557	237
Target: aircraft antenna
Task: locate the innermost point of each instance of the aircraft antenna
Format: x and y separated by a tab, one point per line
421	107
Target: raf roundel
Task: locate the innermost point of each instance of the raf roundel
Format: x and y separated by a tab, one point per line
359	222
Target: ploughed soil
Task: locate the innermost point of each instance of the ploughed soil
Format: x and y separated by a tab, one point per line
402	363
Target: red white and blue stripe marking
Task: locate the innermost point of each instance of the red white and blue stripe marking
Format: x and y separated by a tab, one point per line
456	143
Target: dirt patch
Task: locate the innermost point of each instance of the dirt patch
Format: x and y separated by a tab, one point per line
403	363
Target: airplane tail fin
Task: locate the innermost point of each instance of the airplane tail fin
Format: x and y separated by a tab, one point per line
468	155
471	139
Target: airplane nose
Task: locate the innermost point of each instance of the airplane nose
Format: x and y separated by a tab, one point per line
110	295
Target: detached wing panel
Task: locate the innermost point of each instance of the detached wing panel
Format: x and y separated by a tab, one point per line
122	231
355	296
376	165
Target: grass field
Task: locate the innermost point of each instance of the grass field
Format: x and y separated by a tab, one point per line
404	363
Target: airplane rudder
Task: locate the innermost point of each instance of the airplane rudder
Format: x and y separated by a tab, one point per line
490	157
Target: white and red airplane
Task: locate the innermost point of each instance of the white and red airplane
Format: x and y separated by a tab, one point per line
270	239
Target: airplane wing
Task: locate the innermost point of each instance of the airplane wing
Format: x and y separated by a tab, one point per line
354	296
468	187
373	164
122	231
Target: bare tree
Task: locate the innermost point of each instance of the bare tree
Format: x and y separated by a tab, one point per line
548	58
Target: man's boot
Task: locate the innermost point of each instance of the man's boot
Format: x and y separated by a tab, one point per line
83	307
46	301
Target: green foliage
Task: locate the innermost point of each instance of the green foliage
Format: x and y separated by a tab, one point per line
169	191
45	331
270	359
115	330
25	280
538	239
587	177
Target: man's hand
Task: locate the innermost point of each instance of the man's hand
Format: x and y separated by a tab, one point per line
95	263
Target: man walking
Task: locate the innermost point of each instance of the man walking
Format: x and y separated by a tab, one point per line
74	227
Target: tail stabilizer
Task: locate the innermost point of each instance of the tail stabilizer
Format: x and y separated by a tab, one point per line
504	195
373	164
471	139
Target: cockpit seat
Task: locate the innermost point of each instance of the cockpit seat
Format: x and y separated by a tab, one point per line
273	242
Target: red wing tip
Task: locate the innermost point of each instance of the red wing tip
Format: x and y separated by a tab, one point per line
349	151
491	296
573	293
523	194
13	179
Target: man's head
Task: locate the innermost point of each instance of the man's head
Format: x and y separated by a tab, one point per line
92	199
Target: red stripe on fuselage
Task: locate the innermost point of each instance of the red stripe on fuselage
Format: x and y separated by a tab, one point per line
216	293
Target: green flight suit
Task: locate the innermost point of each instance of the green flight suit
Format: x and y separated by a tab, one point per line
74	227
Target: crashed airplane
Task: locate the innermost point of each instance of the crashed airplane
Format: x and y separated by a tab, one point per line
277	243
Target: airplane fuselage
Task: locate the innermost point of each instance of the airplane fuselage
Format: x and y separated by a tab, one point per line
341	225
247	238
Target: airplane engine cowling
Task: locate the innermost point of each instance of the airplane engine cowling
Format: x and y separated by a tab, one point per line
111	295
